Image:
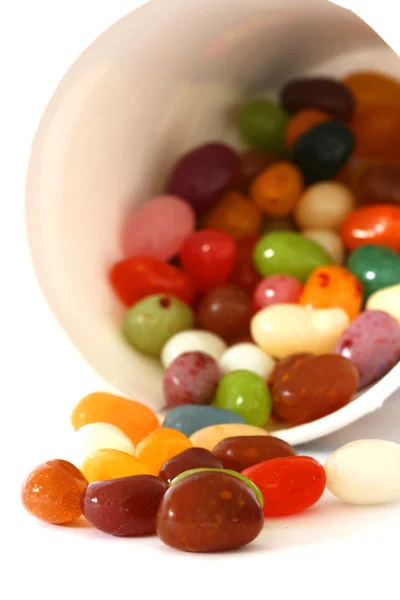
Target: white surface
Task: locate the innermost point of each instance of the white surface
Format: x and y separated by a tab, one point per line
332	551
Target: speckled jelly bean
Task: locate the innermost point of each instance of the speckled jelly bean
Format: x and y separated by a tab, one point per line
159	446
386	300
96	436
316	330
372	343
210	436
324	205
262	125
277	289
329	240
249	357
247	394
189	418
192	378
192	341
235	214
107	464
277	189
375	224
323	93
193	458
239	453
375	266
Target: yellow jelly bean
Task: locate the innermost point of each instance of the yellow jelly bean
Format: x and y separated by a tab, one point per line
111	464
387	299
211	436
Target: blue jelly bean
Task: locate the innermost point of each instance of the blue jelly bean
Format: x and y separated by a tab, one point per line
189	418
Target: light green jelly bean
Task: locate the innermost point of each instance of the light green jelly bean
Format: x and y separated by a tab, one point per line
262	124
246	394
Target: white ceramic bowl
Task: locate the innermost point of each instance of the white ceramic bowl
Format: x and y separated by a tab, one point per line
162	79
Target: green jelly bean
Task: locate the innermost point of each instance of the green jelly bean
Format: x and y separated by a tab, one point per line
150	323
288	253
262	125
246	394
245	480
376	266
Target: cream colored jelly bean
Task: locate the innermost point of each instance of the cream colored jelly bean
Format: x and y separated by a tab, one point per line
324	205
192	341
248	357
365	472
329	240
285	329
387	299
97	436
210	436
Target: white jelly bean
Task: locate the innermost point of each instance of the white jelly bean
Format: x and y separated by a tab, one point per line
249	357
387	300
192	341
210	436
284	329
96	436
329	240
324	205
365	472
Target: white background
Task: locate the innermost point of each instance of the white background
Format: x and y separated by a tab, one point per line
330	551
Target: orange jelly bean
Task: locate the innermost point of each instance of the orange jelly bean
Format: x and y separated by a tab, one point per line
158	447
332	286
277	189
107	464
235	214
369	88
52	492
373	224
302	122
377	131
134	418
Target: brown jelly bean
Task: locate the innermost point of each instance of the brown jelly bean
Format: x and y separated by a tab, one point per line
379	184
239	453
193	458
323	93
252	163
286	363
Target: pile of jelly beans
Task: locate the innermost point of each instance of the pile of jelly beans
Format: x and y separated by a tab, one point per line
210	492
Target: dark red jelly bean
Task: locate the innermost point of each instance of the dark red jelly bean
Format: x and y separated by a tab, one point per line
379	185
125	507
209	511
244	274
241	452
323	93
193	458
252	163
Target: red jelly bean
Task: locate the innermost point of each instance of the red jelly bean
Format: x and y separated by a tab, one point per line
289	485
141	276
244	274
277	289
192	378
207	257
241	452
192	458
375	224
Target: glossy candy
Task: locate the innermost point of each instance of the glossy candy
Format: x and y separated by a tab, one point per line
289	485
110	464
285	365
134	418
193	458
192	378
159	446
313	388
189	418
375	266
207	257
96	436
247	394
239	453
236	215
387	300
209	511
226	311
52	492
252	162
277	189
277	289
150	323
329	240
244	274
192	341
377	131
371	88
323	150
301	122
204	175
262	125
125	507
136	278
372	343
379	184
333	287
288	253
322	93
211	436
249	357
376	224
324	205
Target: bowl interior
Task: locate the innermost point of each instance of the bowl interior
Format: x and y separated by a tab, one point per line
163	79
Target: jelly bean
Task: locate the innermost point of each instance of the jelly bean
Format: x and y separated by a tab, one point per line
277	289
145	232
150	323
244	274
110	464
240	453
377	131
376	267
207	257
276	224
386	300
211	436
159	446
317	330
329	240
371	88
277	189
189	418
204	175
192	378
301	122
376	224
52	492
249	357
125	507
322	93
96	436
236	215
226	311
192	341
136	278
262	125
314	388
333	287
365	472
209	511
287	253
283	366
193	458
252	162
247	394
134	418
323	150
324	205
289	485
372	343
379	184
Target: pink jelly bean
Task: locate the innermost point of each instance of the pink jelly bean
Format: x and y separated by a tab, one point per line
158	229
277	289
